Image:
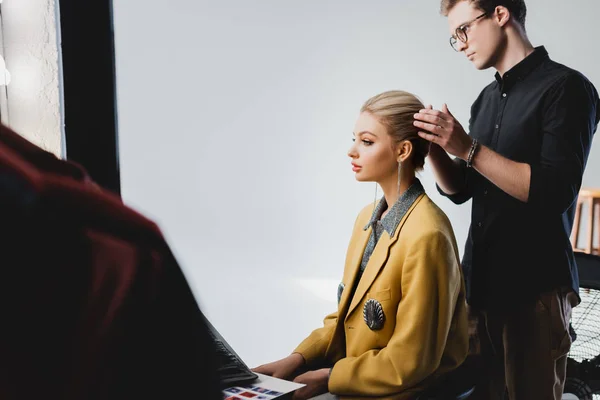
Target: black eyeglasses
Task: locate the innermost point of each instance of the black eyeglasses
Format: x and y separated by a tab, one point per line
461	33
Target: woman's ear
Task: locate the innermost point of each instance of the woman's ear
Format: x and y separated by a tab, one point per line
404	151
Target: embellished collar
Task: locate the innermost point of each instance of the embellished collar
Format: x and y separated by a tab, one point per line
399	209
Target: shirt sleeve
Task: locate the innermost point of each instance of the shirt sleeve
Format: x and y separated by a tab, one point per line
466	192
569	121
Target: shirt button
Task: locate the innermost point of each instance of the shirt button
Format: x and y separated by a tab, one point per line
485	192
479	224
503	94
497	126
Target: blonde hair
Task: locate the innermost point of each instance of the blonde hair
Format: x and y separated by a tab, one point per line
395	109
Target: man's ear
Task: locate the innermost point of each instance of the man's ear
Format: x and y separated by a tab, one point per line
501	15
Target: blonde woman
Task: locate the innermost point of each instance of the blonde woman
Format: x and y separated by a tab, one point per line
401	321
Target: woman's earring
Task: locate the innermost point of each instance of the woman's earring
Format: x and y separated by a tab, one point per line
399	174
398	199
375	200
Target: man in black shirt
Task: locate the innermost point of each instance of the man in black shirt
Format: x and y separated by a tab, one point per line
522	164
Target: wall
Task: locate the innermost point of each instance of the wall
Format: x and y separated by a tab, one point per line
235	118
31	54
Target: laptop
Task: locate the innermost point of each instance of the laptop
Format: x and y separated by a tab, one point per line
232	370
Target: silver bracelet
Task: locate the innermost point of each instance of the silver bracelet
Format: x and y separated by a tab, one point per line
472	151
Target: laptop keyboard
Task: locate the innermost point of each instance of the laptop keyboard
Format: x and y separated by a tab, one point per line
232	371
227	361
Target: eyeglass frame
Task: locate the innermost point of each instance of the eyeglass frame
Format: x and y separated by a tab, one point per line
455	38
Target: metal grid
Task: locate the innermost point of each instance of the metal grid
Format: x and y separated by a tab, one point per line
586	322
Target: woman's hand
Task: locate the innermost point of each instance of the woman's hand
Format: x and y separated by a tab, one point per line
282	369
316	383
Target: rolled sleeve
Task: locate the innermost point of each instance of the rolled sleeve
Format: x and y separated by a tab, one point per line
466	192
570	120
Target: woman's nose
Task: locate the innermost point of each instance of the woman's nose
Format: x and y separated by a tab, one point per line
352	152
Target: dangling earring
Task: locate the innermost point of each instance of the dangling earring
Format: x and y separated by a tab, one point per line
398	199
399	173
375	200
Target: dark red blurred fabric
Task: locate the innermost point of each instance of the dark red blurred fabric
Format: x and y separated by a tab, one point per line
93	304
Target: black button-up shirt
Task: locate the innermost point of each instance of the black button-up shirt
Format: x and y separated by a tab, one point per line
544	114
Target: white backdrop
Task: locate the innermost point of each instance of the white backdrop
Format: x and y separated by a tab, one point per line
234	122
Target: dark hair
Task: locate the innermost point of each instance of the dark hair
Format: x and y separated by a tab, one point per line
517	8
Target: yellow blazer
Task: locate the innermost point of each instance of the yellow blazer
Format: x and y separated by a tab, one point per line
416	277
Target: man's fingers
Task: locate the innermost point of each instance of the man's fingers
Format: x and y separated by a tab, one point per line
431	111
432	128
433	119
428	136
436	113
445	110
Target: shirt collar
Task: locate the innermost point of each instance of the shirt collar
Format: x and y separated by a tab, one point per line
394	216
522	69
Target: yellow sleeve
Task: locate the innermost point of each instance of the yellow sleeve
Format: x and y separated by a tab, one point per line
431	283
313	348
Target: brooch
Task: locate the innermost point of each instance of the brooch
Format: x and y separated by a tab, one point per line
373	314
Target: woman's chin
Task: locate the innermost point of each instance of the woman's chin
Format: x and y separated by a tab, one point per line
361	177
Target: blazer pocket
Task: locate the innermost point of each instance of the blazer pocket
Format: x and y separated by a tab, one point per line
381	295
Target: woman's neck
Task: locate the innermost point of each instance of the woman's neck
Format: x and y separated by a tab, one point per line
390	187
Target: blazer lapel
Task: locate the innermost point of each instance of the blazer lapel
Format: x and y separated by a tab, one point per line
377	260
357	248
336	348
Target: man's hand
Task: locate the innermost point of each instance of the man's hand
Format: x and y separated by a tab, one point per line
441	128
315	381
513	177
282	369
